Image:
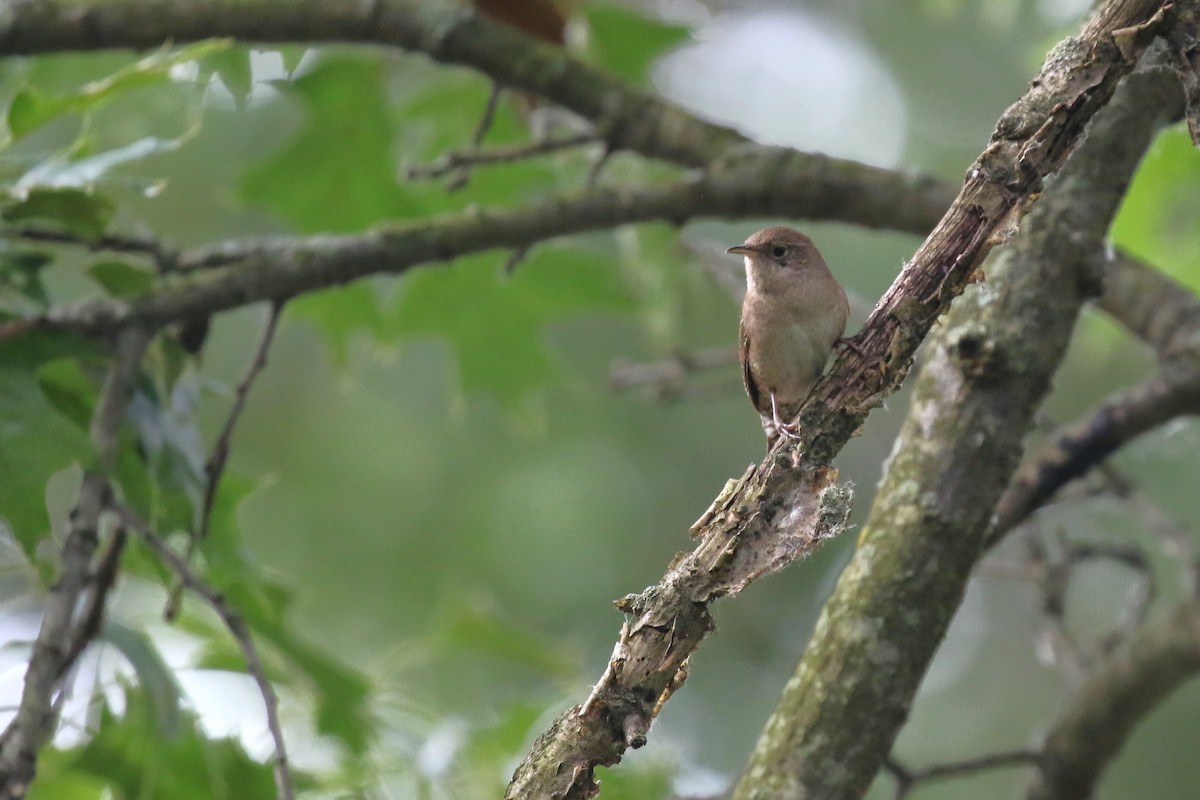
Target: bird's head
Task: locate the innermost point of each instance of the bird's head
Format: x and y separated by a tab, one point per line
776	252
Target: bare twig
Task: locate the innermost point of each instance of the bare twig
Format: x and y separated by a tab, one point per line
756	530
1115	697
1176	541
908	779
1076	448
164	257
75	604
498	155
600	163
214	468
515	258
284	786
489	114
103	578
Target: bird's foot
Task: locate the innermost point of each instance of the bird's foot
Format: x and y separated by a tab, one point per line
788	430
851	343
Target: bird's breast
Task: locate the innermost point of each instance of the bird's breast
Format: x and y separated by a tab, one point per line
786	360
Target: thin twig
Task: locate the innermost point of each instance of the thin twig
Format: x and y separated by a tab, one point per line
163	257
1078	447
907	779
514	259
455	161
1176	541
72	617
214	468
601	162
489	114
462	174
104	577
237	628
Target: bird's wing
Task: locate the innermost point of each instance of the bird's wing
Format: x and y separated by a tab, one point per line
751	385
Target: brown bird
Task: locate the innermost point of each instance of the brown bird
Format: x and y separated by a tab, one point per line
793	315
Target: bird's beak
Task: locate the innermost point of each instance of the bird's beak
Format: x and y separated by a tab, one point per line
742	250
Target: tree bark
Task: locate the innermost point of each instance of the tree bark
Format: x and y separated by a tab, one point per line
989	366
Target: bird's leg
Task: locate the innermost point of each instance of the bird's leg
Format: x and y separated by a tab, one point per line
785	429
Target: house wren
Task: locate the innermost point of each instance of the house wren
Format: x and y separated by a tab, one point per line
793	315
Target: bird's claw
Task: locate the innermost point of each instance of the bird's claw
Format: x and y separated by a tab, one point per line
850	343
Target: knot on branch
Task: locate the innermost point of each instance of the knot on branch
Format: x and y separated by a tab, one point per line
976	355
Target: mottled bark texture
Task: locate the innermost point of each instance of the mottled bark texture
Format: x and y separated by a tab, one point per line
772	514
989	366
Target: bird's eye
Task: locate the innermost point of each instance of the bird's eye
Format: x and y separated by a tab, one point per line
779	251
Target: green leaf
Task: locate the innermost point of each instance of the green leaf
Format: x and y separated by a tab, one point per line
1157	220
339	312
80	211
497	322
135	758
338	173
69	389
21	279
122	279
161	466
30	109
36	439
627	42
472	629
63	173
341	694
154	677
233	67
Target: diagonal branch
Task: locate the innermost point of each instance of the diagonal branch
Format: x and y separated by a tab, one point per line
76	601
1166	316
1114	699
628	119
1073	450
781	509
1159	311
989	365
284	786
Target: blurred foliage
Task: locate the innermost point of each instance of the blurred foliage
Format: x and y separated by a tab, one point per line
131	754
432	496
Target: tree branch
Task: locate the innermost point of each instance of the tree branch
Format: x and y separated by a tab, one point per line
1076	448
627	118
284	786
1161	312
908	779
73	609
236	273
781	509
1101	715
989	366
1166	316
